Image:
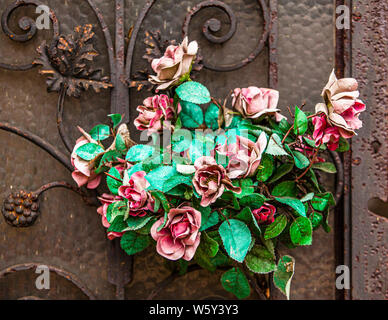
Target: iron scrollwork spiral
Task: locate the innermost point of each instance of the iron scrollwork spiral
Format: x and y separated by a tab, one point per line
213	25
28	25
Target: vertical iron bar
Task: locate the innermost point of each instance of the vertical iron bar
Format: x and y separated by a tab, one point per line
273	44
120	91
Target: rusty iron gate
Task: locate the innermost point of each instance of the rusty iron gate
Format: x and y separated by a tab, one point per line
291	45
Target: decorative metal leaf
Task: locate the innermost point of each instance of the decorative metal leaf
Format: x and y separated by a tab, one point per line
66	62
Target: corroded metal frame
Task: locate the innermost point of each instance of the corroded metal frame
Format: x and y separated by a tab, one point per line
120	63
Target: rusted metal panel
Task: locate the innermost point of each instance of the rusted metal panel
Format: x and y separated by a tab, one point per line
369	194
68	233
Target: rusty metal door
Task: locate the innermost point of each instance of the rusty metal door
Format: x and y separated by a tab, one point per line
283	44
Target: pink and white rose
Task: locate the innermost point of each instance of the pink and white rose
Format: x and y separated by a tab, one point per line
135	191
153	112
83	173
253	102
342	106
175	63
244	156
324	133
106	200
180	236
210	180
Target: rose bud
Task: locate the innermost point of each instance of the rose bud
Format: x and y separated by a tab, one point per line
265	214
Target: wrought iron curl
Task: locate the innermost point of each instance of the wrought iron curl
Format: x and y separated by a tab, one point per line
213	25
26	24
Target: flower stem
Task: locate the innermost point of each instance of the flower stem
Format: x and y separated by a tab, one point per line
312	161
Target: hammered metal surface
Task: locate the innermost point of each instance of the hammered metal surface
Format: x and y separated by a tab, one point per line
69	234
305	57
370	152
306	50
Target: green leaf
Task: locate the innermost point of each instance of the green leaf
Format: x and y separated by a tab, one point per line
254	201
89	151
100	132
191	115
211	117
162	199
175	181
118	224
208	218
260	260
246	216
280	172
120	144
206	250
165	218
293	203
116	119
140	152
284	126
220	260
311	143
236	238
158	176
307	197
193	92
136	168
235	281
344	145
266	168
325	167
314	179
116	209
322	201
133	242
301	122
316	219
283	275
110	156
301	232
113	184
275	147
325	221
146	229
181	139
135	223
275	228
230	197
246	186
301	161
285	189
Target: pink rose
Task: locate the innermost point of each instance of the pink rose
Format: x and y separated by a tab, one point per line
83	173
175	63
210	180
153	112
244	156
265	214
139	199
255	102
106	200
342	106
180	236
324	133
